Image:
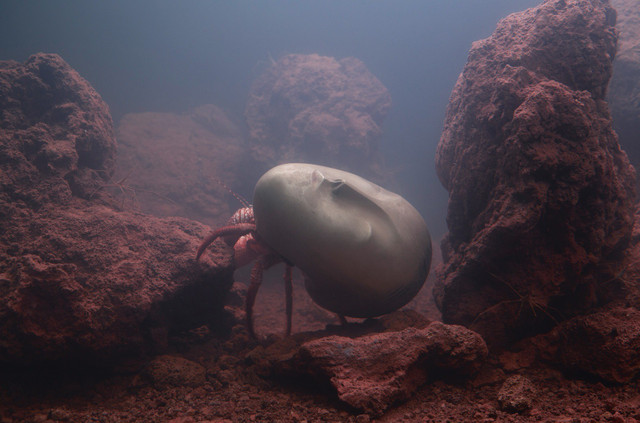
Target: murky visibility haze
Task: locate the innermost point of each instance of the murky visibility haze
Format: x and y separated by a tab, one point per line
127	125
173	56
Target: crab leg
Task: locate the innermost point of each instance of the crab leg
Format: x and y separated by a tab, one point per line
236	230
263	263
288	292
256	281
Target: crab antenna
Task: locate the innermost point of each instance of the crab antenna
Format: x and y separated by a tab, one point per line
237	196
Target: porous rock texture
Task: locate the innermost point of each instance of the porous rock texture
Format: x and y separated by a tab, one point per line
319	110
374	371
624	90
516	394
80	281
541	197
55	129
605	344
172	164
167	370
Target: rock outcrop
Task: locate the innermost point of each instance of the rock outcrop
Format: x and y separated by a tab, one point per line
624	90
515	395
320	110
80	281
179	164
56	131
374	371
541	197
605	344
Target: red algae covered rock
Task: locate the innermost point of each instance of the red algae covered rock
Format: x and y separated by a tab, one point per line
95	282
56	130
516	394
541	197
373	372
173	164
604	344
80	281
318	109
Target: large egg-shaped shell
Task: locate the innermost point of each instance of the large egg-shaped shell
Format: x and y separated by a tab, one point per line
365	251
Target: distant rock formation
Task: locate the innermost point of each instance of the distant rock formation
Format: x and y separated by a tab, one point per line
56	131
80	281
318	109
541	197
176	164
624	90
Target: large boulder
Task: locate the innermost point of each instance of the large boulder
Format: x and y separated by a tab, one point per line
320	110
95	284
541	197
179	164
80	281
372	372
56	130
624	90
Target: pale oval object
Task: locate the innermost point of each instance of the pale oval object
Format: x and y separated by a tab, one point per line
365	251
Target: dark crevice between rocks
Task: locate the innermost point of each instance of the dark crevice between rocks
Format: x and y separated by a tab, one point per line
194	313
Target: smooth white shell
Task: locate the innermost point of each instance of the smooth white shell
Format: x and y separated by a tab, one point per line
365	251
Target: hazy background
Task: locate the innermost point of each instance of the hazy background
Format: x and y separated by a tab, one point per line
174	55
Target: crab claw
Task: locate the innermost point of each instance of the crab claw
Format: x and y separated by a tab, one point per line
238	230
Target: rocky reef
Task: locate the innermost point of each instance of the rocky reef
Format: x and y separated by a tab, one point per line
79	280
541	261
541	196
86	279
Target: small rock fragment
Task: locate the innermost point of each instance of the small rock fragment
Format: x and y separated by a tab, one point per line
516	394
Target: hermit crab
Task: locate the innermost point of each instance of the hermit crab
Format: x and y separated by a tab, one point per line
364	251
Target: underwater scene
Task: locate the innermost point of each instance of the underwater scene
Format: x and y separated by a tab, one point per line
319	211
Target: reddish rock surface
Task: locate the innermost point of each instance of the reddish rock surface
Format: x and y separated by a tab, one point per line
516	394
541	197
90	283
320	110
172	388
373	372
57	135
624	90
176	164
604	344
80	281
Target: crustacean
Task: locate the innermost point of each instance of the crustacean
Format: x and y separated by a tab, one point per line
364	251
